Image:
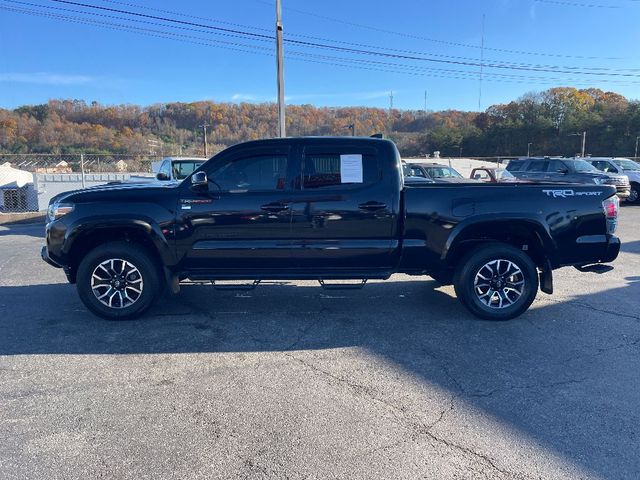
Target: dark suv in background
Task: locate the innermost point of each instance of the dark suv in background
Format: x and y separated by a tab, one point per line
567	170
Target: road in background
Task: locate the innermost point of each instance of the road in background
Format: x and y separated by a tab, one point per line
289	381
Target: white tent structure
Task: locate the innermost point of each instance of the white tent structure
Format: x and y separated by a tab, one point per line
17	193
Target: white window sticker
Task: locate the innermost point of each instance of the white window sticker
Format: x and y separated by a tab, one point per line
351	168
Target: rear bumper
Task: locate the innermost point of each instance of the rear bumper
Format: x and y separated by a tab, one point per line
612	249
593	249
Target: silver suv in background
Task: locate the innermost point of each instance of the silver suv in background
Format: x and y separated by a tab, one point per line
622	166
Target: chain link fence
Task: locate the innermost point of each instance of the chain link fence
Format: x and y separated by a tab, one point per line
77	163
27	181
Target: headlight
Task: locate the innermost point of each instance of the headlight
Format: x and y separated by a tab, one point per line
57	210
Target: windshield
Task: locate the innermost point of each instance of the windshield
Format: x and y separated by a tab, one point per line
182	169
502	174
580	166
442	172
627	164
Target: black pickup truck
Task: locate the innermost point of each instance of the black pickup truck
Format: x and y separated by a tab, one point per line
325	209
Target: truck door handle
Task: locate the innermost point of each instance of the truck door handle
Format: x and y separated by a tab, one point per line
372	206
274	207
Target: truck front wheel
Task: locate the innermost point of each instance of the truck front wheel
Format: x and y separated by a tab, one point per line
496	281
118	281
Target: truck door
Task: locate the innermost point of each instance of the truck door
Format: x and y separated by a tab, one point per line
243	221
345	207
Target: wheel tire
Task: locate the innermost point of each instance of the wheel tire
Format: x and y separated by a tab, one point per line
136	256
634	197
477	259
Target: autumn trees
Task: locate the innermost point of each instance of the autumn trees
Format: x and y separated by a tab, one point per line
546	119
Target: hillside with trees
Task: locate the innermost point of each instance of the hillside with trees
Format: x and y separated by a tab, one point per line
546	119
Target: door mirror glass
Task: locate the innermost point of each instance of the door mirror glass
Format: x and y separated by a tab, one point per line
162	176
199	180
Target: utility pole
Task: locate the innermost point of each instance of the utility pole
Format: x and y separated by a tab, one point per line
352	127
390	102
584	140
280	66
529	149
82	167
481	67
204	130
425	103
635	155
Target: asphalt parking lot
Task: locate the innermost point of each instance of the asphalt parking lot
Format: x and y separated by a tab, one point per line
290	381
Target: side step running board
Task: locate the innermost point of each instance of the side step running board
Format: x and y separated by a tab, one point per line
595	268
235	286
223	286
342	286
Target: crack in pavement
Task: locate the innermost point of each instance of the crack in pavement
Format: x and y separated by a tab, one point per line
523	387
602	350
401	414
570	301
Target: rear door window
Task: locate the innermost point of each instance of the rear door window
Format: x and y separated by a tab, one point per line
327	168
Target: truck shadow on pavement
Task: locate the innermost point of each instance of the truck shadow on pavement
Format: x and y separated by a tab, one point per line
631	247
30	229
565	374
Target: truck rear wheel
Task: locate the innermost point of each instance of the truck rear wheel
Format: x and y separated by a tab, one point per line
496	281
118	281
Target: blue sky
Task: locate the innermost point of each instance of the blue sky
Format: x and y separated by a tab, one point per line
43	57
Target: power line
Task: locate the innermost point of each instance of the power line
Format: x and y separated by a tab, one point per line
575	4
334	61
293	34
434	40
355	50
358	51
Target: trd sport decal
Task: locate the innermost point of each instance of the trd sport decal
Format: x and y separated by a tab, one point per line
571	193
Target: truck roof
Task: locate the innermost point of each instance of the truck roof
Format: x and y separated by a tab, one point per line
322	139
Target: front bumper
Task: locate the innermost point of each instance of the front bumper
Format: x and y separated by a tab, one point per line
44	253
70	274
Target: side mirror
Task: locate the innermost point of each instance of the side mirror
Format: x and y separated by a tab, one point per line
199	180
563	171
162	176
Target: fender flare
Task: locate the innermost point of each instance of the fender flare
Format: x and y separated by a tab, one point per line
533	224
77	231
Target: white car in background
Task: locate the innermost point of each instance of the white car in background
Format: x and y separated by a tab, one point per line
176	169
623	166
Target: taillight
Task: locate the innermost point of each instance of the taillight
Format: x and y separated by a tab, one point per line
611	206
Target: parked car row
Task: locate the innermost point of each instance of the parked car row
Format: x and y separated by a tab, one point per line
622	173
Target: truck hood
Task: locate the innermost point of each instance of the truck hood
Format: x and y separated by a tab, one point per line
112	188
